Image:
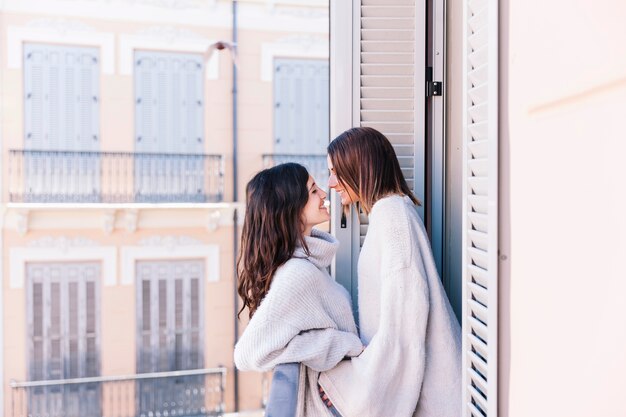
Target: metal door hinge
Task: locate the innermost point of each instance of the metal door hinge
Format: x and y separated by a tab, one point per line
433	88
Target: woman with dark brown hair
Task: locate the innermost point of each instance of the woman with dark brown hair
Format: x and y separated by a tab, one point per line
412	363
298	313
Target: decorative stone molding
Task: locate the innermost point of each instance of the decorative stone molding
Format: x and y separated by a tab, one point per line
131	218
62	32
172	4
108	221
60	25
24	217
72	252
131	254
293	46
166	39
22	221
170	242
63	243
214	219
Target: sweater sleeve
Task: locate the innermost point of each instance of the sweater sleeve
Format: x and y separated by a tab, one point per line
268	344
393	363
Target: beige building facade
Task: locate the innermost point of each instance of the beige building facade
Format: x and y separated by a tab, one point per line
117	192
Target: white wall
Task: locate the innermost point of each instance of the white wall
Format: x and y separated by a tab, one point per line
563	209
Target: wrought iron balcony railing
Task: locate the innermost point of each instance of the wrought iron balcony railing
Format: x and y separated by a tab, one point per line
315	164
196	393
114	177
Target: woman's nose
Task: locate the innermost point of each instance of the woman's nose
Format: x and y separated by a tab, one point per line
332	181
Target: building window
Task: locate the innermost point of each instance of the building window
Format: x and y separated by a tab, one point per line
63	333
169	126
301	114
61	122
170	328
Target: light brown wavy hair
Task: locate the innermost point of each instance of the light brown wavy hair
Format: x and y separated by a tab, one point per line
272	228
365	161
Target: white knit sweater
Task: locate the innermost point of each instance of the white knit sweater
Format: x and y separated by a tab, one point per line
305	317
412	363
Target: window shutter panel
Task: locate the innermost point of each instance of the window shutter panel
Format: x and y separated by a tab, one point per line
169	315
169	99
480	205
389	70
61	90
169	119
301	118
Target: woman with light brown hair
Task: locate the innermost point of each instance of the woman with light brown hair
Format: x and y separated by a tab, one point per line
411	365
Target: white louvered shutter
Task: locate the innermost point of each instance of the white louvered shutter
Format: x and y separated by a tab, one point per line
391	81
480	205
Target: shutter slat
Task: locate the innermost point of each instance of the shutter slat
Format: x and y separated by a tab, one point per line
392	58
386	70
478	380
477	57
388	35
386	81
387	46
479	240
390	127
478	75
394	104
478	149
479	167
387	11
478	94
387	2
387	92
477	396
480	311
479	257
478	222
478	113
479	185
476	5
386	116
476	361
479	275
475	412
478	204
480	347
386	23
479	130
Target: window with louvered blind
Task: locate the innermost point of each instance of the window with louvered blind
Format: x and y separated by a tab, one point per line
169	316
170	335
169	121
63	305
61	113
301	124
480	197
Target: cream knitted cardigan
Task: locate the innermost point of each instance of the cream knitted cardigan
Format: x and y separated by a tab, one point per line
305	317
412	363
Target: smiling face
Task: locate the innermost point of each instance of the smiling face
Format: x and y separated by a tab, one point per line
346	194
315	211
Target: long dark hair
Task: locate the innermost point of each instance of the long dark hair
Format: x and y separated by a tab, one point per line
272	228
365	161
